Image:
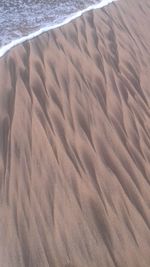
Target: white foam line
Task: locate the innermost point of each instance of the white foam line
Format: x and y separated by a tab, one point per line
13	43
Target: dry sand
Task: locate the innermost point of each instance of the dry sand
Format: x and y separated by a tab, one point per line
75	143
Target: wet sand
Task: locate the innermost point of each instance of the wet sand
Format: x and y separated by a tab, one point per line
75	143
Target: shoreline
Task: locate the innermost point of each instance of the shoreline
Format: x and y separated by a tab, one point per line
4	49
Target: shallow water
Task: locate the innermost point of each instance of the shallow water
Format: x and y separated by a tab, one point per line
23	19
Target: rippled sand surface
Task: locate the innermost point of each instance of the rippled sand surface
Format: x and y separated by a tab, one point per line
75	143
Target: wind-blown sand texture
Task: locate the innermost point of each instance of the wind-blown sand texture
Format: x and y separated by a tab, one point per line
75	143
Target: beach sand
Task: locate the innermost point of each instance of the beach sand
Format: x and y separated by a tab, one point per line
75	143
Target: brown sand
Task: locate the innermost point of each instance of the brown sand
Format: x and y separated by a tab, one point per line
75	143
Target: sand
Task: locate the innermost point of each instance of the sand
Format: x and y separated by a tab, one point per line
75	143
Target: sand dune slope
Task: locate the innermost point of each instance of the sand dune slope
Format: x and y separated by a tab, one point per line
75	143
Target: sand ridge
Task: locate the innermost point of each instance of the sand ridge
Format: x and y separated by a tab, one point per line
75	143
